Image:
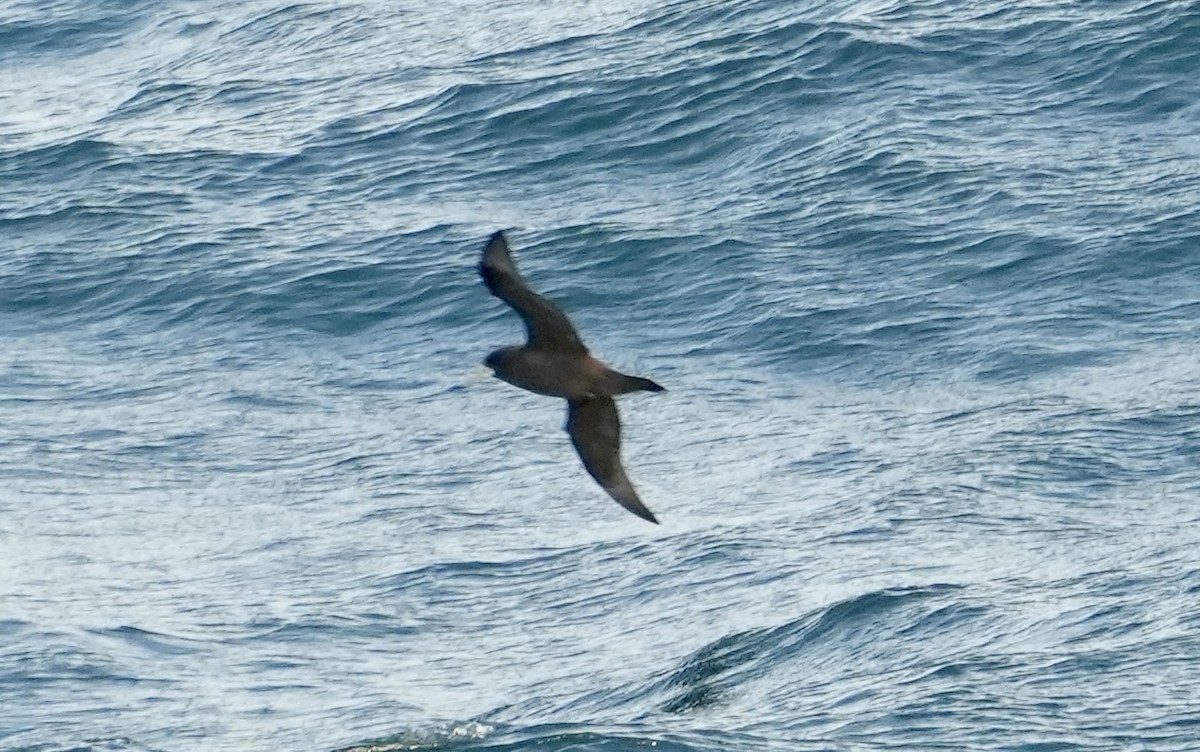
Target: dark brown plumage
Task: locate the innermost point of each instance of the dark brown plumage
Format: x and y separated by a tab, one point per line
554	362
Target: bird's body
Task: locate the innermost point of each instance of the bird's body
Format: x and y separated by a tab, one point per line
554	362
556	374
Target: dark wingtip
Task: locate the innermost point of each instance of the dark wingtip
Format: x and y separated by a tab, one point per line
644	513
489	273
652	386
496	239
635	505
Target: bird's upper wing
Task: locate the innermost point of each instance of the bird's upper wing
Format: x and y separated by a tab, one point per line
595	430
547	326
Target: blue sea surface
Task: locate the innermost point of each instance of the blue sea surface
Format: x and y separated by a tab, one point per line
921	277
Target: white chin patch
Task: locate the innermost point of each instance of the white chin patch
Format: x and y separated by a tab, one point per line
478	374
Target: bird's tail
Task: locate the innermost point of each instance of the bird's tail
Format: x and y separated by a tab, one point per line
637	384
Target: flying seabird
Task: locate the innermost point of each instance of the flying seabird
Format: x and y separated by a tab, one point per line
554	362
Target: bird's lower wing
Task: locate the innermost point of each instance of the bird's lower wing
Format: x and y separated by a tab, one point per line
595	429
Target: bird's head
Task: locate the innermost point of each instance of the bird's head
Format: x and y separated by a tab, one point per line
497	358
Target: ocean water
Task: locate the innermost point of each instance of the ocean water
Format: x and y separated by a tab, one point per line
922	279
